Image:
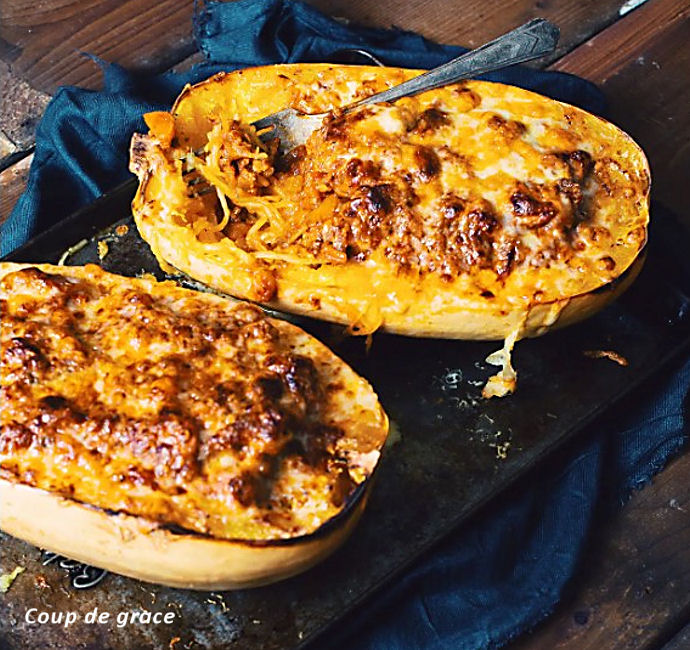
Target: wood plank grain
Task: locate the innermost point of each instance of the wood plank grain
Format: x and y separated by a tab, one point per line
20	110
643	65
44	41
611	51
12	184
474	23
635	581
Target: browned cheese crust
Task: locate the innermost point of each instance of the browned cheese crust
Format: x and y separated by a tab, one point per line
183	408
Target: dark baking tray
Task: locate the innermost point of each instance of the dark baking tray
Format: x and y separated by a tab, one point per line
455	453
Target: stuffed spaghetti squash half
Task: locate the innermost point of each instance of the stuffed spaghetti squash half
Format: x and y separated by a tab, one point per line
175	436
474	211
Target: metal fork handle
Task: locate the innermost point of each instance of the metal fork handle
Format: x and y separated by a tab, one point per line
530	41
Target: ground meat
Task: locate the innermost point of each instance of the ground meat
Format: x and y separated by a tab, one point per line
22	357
580	163
244	489
431	119
571	190
362	172
374	202
240	161
529	211
509	129
469	239
336	125
428	163
505	255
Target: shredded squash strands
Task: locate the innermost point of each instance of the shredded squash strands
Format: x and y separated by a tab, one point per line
269	230
367	323
503	382
325	208
226	211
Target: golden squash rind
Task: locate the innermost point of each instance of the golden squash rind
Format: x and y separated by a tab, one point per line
132	547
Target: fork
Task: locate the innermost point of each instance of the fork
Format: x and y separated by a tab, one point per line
532	40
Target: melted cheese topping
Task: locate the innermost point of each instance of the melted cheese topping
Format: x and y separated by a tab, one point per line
148	399
476	195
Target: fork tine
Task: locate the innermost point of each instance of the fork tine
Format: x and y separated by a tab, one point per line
269	135
267	121
263	123
273	119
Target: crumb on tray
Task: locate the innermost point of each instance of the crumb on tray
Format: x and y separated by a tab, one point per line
7	579
102	249
607	354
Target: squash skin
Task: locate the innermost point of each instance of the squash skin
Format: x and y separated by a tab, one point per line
132	547
532	302
150	551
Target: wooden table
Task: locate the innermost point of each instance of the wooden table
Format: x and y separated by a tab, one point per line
633	589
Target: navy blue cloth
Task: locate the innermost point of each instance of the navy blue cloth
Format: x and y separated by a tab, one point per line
503	573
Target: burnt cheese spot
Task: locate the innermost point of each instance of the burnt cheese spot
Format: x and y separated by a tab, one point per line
452	206
431	120
24	357
378	199
427	162
15	437
374	202
571	190
530	211
580	163
509	129
466	98
506	254
336	125
248	489
362	172
606	263
53	402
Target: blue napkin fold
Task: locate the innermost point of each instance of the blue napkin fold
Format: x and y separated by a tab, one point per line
507	570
